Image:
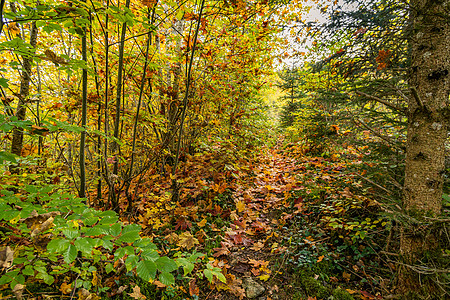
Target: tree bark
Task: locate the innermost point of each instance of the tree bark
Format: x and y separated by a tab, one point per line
17	138
428	120
82	191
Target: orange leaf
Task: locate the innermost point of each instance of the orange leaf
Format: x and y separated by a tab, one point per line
202	223
193	288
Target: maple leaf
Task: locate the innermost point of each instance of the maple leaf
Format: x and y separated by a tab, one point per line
182	224
257	246
172	238
221	251
187	240
240	206
136	294
235	286
200	235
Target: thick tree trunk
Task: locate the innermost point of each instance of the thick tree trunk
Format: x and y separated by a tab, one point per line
427	130
17	138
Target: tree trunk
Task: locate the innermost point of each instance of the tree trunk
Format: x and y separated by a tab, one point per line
427	132
17	138
82	191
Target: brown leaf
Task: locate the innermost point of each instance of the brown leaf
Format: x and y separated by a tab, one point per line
36	218
346	276
172	238
6	257
159	284
18	290
193	288
136	294
257	246
236	288
221	251
43	227
182	224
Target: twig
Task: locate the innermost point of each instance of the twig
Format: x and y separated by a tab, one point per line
374	183
381	101
417	97
423	269
386	139
389	253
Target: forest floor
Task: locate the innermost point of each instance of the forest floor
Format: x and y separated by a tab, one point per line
282	224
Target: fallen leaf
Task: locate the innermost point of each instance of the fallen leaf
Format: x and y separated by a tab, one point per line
264	277
159	284
193	288
6	257
136	294
172	238
320	258
18	290
202	223
346	276
240	206
257	246
42	227
182	224
187	240
65	288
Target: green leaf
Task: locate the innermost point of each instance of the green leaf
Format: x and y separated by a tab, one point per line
150	255
109	268
146	270
166	264
107	244
121	252
71	233
8	277
131	228
48	279
58	245
108	220
166	278
28	270
4	82
70	254
186	264
93	231
85	244
131	262
115	229
129	237
19	279
6	156
208	275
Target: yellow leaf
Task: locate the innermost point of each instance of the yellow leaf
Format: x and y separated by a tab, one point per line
264	277
13	28
320	258
187	240
202	223
65	288
95	280
240	205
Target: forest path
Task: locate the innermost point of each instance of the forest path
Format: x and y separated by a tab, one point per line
251	252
